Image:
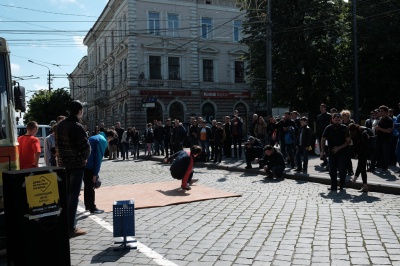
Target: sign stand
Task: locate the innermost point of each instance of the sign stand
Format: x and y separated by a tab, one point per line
124	223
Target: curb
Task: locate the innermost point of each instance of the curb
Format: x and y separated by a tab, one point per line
372	186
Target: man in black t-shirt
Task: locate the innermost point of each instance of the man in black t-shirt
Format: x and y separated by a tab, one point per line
383	133
338	139
323	120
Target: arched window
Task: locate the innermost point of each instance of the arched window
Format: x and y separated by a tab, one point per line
208	112
176	111
154	113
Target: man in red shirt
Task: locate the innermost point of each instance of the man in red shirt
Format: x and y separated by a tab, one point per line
29	147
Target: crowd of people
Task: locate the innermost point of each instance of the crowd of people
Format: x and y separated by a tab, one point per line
275	143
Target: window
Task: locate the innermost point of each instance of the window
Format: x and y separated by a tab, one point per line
173	68
112	78
125	26
154	23
105	82
112	40
105	47
99	50
155	67
99	82
120	71
239	72
120	30
208	70
173	25
237	30
125	68
206	27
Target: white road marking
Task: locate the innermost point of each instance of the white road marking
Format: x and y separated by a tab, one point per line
157	258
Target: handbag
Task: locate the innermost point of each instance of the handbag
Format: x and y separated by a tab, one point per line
316	147
97	184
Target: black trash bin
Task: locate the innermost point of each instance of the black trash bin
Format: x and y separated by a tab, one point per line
35	208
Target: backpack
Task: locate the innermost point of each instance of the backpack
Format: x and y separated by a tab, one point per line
288	136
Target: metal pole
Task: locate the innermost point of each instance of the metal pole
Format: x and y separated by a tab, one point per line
49	80
269	60
355	63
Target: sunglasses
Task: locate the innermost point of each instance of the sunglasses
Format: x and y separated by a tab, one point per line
337	115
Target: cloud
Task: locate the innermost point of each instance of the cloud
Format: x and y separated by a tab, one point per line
15	68
39	87
78	40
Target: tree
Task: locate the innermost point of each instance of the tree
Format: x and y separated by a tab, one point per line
45	106
379	53
311	54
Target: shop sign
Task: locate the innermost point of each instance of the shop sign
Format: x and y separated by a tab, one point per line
42	195
166	93
225	94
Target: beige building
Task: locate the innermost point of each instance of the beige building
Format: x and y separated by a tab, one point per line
157	59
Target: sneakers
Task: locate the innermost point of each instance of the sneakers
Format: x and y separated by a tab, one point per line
187	187
248	167
76	232
96	211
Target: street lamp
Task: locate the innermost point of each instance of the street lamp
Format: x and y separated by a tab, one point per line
268	55
49	81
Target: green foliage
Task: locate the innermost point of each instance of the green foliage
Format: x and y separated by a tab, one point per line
379	55
45	106
311	54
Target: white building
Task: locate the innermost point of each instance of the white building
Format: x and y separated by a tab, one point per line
154	59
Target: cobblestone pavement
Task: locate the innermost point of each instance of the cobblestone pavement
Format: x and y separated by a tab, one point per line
275	222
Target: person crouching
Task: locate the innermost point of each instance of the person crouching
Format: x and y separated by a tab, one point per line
272	162
182	165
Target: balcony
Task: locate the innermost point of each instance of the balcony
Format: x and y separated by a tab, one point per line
101	98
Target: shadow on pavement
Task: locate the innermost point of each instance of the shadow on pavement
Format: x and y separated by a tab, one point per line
109	255
341	196
173	192
388	176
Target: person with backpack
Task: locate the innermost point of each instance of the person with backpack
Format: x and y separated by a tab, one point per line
182	165
286	128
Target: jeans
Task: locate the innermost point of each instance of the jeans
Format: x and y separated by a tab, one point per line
302	152
362	167
159	146
167	148
217	152
125	150
237	143
276	171
74	184
88	190
205	146
382	151
338	161
288	149
398	151
135	150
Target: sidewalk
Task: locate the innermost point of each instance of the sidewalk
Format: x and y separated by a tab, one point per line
385	182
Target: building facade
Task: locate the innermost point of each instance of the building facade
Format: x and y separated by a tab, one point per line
157	59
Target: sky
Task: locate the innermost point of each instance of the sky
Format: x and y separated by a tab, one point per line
49	33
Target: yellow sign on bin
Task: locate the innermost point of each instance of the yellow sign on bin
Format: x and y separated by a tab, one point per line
42	195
